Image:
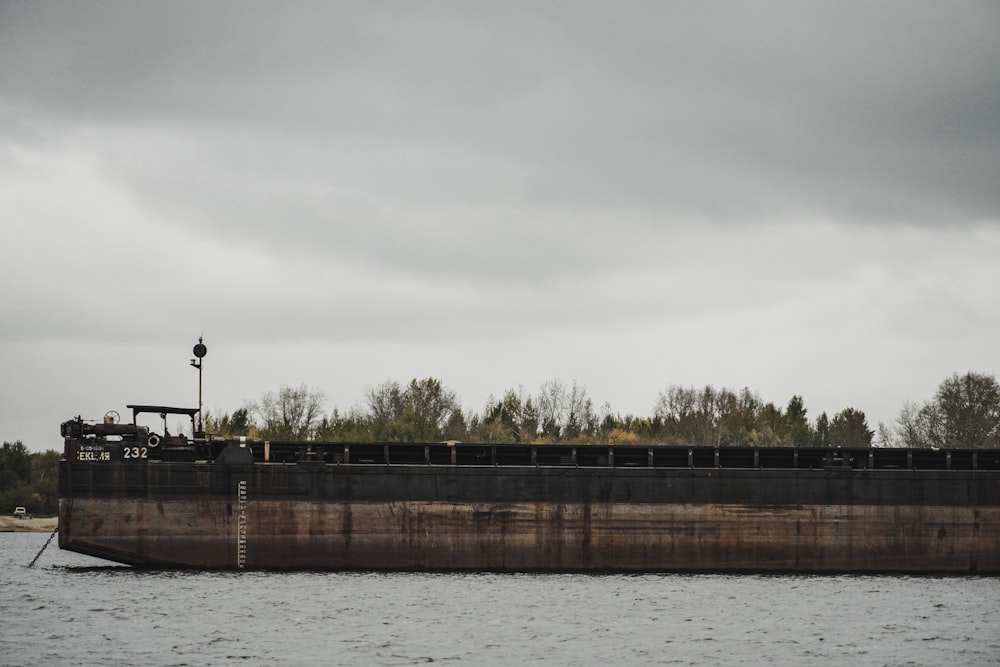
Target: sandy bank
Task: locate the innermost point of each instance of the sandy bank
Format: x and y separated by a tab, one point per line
45	525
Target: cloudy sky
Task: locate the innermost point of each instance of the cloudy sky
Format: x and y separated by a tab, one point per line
797	198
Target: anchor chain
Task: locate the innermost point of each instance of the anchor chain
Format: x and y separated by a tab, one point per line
43	548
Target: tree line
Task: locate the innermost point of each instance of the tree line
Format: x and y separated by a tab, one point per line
964	412
28	479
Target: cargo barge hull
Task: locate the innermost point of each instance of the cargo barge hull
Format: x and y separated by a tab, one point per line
568	518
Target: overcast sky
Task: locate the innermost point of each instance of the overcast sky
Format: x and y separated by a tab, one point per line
792	197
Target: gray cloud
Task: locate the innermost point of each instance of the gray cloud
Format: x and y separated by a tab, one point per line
784	195
872	113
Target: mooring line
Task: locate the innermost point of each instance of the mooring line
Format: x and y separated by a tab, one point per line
43	548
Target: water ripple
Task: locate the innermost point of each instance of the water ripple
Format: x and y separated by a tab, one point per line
71	610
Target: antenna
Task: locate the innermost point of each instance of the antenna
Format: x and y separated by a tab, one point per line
199	351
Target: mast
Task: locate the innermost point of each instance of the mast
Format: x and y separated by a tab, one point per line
199	352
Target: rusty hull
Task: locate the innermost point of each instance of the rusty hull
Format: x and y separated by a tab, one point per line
532	536
528	508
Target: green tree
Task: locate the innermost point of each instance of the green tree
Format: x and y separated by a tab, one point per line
432	403
423	411
821	437
44	485
241	423
456	428
739	416
797	431
849	428
350	427
711	416
28	479
15	473
503	419
15	464
230	426
413	427
385	407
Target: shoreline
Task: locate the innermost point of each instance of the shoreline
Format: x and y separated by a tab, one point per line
9	524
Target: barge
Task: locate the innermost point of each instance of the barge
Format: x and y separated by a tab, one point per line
155	500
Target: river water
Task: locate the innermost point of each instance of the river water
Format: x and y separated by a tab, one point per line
74	610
